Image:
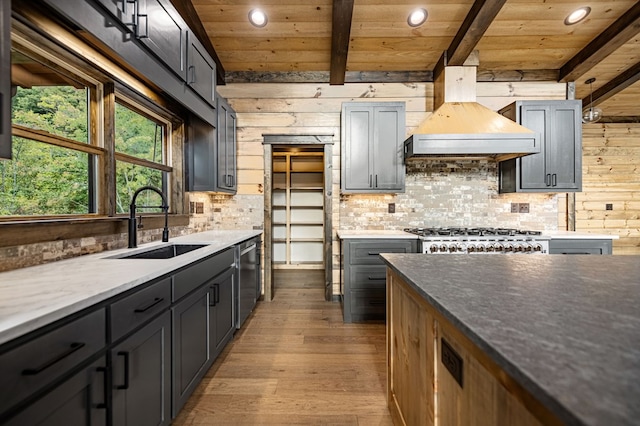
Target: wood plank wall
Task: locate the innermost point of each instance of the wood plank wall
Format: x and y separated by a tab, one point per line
307	108
611	175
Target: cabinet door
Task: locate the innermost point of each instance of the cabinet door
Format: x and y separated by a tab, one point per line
80	400
565	154
201	70
226	154
142	376
580	246
534	172
190	344
122	10
389	129
5	81
201	144
222	324
161	29
357	155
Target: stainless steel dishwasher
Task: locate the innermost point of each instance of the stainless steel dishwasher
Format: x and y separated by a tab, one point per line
248	290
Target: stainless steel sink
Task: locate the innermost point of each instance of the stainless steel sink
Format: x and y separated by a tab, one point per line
164	252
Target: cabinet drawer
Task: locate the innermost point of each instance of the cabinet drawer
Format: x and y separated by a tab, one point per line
367	253
138	308
38	362
368	305
374	276
195	275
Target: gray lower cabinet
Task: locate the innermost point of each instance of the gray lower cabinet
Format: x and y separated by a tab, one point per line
364	276
5	83
221	316
558	165
580	246
141	384
372	147
191	354
78	401
46	378
136	368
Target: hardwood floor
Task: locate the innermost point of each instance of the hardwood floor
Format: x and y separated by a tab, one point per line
295	363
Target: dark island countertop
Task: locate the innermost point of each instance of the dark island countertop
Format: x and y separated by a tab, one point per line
567	328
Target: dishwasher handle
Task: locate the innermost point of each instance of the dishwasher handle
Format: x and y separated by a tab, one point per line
248	249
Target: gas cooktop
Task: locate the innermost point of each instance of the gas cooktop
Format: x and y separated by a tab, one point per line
462	232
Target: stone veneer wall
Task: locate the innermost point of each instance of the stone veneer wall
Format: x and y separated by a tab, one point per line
440	194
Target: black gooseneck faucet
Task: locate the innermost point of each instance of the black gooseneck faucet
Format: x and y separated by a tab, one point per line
133	226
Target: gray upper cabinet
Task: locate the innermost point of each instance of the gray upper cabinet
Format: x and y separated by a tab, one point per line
558	166
226	148
123	10
200	153
161	29
201	70
372	147
5	81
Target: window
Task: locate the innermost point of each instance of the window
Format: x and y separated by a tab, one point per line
53	160
140	145
62	164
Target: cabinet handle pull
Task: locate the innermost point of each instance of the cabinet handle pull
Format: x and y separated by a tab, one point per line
103	370
376	181
376	302
554	179
76	346
370	180
146	27
149	305
192	74
216	294
373	253
125	354
374	278
547	179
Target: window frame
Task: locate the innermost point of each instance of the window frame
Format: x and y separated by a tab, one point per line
110	81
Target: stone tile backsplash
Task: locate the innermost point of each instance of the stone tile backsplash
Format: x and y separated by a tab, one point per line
464	193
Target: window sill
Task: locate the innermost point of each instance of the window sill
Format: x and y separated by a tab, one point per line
21	232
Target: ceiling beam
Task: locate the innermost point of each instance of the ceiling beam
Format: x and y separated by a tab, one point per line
189	14
340	35
615	86
617	34
476	23
382	76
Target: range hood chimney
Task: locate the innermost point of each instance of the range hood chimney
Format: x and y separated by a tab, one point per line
461	128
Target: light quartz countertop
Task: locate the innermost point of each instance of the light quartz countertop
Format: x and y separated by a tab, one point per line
566	328
39	295
345	234
569	235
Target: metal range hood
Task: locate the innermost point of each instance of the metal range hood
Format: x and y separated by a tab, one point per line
461	128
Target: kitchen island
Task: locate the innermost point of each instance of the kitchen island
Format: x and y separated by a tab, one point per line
513	339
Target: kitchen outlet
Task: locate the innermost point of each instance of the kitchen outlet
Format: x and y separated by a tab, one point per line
515	207
523	208
392	207
192	207
609	206
199	208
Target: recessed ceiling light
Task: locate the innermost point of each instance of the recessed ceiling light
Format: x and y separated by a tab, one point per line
257	18
577	15
417	17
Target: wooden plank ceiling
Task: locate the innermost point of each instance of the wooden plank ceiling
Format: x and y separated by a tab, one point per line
341	41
